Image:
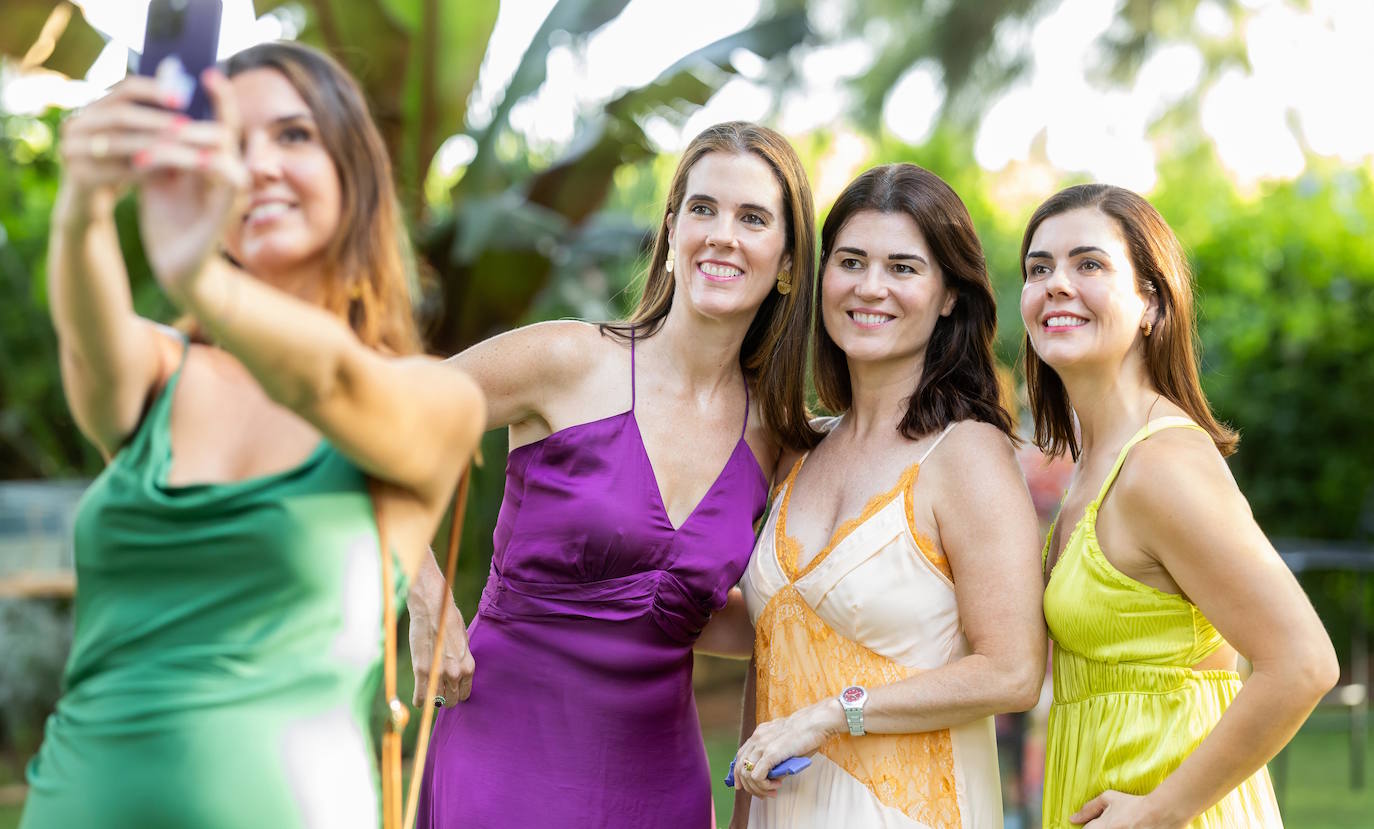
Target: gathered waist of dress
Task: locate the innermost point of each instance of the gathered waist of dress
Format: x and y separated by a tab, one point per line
655	593
1078	678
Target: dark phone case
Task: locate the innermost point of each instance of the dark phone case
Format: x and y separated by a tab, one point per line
188	29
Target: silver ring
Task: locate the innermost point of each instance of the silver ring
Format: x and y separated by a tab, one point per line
439	701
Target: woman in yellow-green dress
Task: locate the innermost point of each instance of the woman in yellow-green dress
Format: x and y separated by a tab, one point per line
1157	574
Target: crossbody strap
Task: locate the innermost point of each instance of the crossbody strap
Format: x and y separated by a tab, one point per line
398	715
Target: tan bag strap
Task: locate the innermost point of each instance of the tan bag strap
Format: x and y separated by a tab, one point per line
398	713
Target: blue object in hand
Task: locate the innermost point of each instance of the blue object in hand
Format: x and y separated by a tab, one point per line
791	765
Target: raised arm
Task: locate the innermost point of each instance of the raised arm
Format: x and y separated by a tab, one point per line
1190	517
111	359
409	422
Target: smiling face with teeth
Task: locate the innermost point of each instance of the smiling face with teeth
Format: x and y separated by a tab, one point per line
729	236
292	212
1081	302
882	290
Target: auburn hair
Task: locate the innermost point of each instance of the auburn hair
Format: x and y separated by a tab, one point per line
370	259
959	376
773	354
1171	355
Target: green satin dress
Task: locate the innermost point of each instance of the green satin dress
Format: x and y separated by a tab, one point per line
1128	707
226	653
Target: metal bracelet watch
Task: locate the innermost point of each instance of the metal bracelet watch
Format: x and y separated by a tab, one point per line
852	700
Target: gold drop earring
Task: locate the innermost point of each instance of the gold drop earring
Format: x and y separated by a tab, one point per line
784	282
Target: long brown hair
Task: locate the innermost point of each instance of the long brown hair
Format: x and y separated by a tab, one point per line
773	354
959	377
369	255
1171	356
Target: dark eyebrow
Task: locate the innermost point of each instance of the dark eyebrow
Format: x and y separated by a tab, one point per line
712	200
855	251
1082	249
293	116
1078	251
912	256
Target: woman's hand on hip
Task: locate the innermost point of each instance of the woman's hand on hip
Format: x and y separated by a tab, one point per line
456	665
1117	810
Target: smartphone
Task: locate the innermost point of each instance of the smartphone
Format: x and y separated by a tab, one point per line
180	42
790	766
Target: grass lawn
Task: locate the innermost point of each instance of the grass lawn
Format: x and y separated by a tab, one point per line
1316	794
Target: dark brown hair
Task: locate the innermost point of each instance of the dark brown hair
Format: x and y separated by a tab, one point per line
1170	351
773	354
370	258
959	377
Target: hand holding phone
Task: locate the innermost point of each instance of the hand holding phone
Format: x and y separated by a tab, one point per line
180	42
787	767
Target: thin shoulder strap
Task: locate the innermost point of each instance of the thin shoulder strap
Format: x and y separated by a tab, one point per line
744	428
632	368
926	454
1159	424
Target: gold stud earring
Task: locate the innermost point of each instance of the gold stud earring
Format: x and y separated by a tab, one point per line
1149	327
668	264
784	282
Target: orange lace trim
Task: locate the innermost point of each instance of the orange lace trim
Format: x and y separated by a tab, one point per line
802	661
789	550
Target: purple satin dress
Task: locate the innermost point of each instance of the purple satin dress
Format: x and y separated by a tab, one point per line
581	712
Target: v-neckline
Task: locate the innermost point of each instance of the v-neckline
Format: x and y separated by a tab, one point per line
658	490
842	532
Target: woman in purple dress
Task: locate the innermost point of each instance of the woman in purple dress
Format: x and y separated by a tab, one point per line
640	461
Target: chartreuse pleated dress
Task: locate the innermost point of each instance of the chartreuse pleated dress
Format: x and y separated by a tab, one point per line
1128	707
226	650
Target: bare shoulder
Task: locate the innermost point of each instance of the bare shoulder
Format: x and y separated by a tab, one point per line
1176	478
559	349
972	450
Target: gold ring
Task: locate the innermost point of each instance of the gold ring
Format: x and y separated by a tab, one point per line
100	146
748	766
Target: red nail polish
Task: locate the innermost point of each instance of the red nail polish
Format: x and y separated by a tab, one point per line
141	158
180	121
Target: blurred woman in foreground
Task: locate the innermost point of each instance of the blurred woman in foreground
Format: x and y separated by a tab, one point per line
229	607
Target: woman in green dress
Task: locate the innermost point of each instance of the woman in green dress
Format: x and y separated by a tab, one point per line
229	600
1165	576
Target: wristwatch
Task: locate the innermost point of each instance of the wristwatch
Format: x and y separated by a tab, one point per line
852	700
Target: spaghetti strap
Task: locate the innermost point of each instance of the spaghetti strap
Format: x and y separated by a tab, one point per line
743	430
1159	424
632	369
947	430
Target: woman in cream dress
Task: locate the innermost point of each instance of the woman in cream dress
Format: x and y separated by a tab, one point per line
898	565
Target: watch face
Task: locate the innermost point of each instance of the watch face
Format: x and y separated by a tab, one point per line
852	694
